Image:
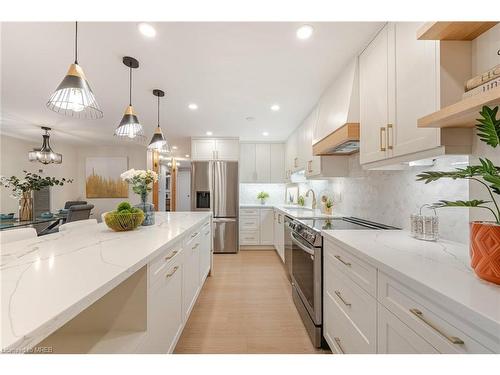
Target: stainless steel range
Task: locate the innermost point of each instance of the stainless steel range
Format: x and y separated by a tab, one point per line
304	261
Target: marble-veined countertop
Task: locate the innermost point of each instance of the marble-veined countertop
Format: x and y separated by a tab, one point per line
48	280
437	270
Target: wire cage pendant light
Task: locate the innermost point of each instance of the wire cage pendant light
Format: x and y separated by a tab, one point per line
44	154
74	97
158	141
129	126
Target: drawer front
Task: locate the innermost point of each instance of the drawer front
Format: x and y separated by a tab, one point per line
342	333
248	223
427	319
192	237
157	266
249	238
249	212
357	304
359	271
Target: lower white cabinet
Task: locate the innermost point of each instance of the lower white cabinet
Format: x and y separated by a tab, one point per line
191	274
256	226
279	233
205	251
266	226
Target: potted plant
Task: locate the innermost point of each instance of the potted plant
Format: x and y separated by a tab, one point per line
301	201
484	235
142	183
124	218
328	206
262	196
22	189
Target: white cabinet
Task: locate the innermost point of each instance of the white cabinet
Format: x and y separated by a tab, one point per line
266	226
291	154
214	149
279	233
191	274
277	162
205	251
261	162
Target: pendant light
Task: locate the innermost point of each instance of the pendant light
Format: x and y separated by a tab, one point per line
129	126
158	141
73	96
44	154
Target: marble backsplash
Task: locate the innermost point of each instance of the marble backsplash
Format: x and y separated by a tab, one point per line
248	193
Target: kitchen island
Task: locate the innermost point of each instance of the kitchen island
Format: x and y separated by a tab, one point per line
92	290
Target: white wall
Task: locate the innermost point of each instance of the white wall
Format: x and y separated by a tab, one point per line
248	193
14	159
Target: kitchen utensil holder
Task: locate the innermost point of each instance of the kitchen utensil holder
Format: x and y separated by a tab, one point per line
425	227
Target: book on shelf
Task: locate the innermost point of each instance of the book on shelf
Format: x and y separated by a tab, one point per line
490	85
483	78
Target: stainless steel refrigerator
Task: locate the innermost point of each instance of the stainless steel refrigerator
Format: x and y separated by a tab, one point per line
215	187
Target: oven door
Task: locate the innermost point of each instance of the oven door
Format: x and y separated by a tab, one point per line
306	275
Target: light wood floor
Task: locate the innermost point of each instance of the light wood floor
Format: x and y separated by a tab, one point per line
245	307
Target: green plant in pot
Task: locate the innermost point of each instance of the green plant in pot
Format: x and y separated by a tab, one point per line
124	218
262	196
484	235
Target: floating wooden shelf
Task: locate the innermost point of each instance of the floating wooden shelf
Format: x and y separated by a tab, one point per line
453	30
462	114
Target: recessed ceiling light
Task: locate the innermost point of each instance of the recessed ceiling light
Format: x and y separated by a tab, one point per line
147	30
187	155
174	147
275	107
193	106
209	133
304	32
265	134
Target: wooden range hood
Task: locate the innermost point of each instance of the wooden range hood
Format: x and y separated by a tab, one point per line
343	141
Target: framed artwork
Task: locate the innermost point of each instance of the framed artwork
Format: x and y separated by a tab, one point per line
102	177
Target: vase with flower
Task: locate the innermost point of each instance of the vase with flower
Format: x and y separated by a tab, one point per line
142	184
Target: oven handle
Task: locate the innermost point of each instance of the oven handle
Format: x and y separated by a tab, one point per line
296	242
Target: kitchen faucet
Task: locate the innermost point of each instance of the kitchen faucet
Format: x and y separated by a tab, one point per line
313	205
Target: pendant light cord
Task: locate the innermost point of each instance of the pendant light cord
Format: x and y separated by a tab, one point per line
130	88
158	111
76	42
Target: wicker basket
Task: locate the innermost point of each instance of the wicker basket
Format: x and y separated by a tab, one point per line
120	222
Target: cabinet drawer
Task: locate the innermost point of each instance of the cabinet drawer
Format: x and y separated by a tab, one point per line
341	333
249	237
359	306
427	319
249	211
192	238
361	272
249	223
163	261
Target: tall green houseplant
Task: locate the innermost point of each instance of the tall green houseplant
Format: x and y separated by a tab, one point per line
485	236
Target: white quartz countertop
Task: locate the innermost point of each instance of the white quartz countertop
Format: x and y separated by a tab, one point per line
48	280
295	211
438	270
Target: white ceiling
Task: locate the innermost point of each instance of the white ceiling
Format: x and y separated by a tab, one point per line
231	70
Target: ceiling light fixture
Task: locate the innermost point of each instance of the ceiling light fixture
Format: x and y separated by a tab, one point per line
275	108
129	126
265	134
44	154
304	32
209	133
73	96
187	155
147	30
193	106
158	141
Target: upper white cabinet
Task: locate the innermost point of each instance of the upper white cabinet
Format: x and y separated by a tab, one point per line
215	149
400	80
262	162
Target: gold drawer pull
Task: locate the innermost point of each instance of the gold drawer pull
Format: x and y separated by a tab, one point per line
194	234
342	299
207	233
382	131
390	136
419	314
171	255
195	246
172	273
337	341
343	261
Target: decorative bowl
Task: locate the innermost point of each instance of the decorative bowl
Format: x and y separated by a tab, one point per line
123	221
7	216
46	215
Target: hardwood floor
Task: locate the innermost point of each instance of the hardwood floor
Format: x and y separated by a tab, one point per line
245	307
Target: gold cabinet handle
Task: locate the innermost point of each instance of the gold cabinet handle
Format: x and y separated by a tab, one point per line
342	299
342	261
207	233
390	137
195	246
170	274
419	314
172	254
337	341
279	218
194	234
309	166
295	162
382	132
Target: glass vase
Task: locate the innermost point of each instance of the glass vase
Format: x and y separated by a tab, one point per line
26	207
148	209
